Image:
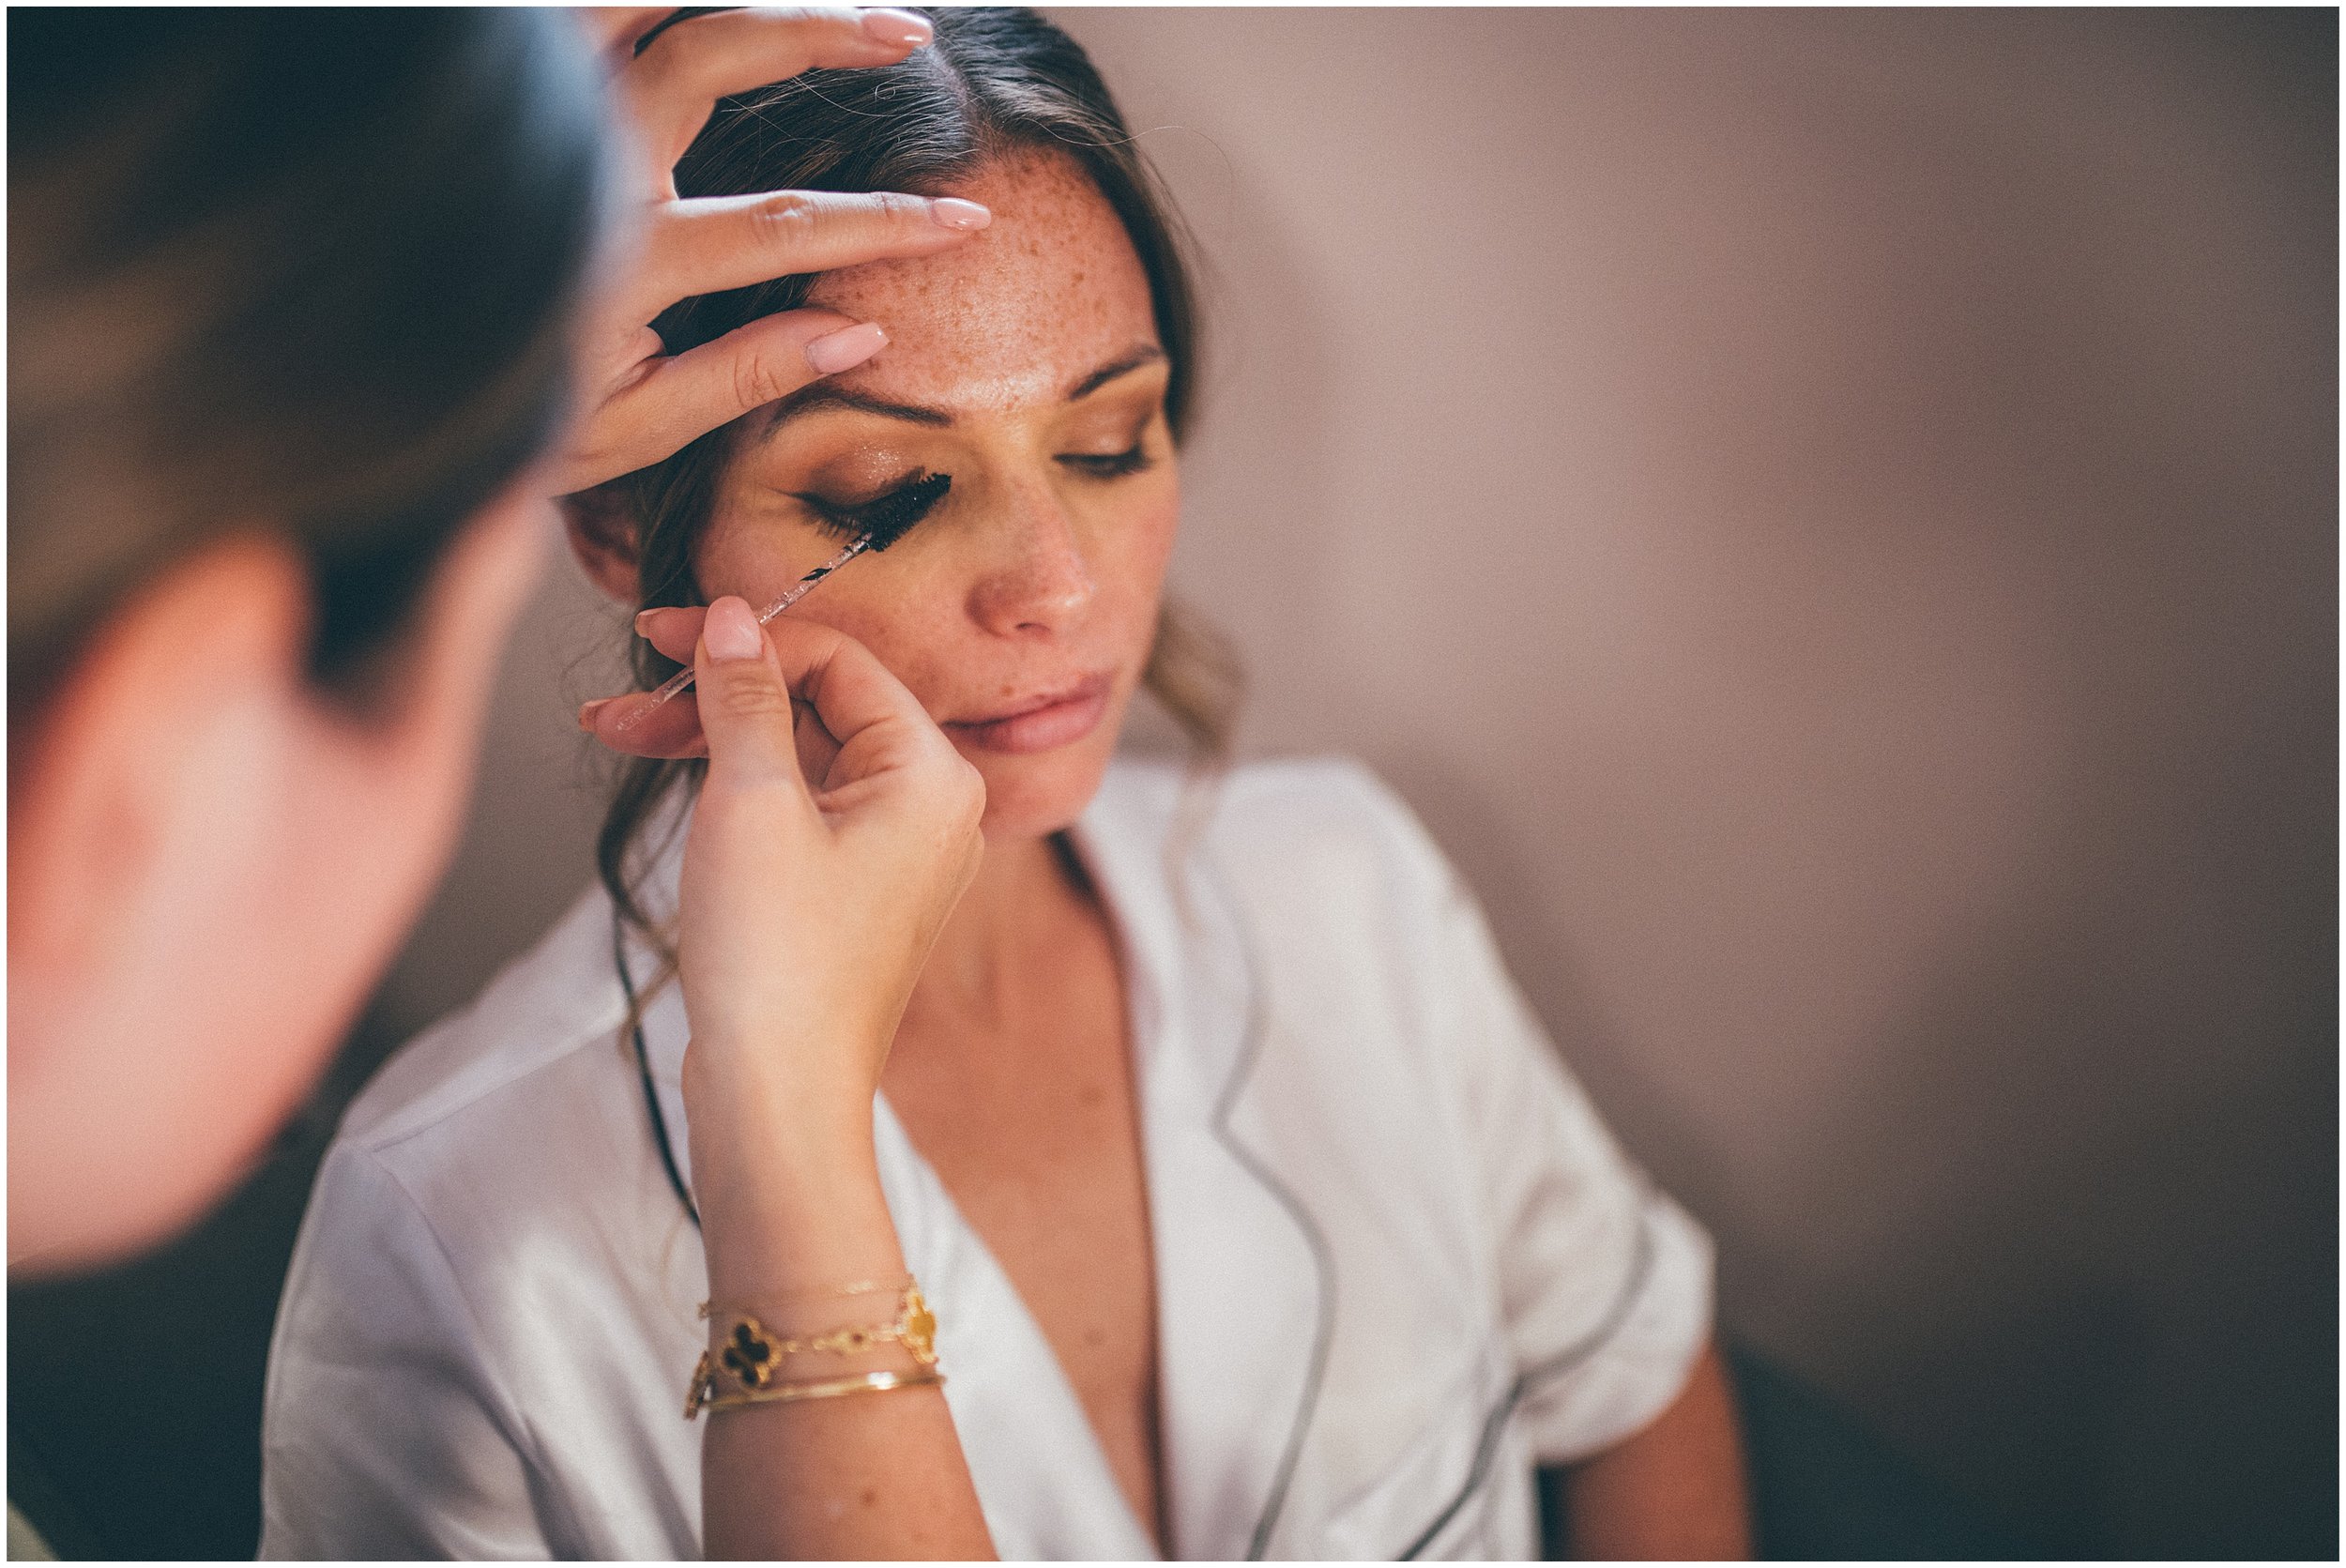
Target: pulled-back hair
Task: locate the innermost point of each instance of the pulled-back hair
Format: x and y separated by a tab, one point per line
996	81
308	272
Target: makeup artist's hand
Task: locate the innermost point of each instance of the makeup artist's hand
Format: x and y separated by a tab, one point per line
834	832
644	404
673	729
835	829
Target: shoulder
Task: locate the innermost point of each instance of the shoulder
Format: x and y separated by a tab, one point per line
1312	869
1283	820
448	1147
486	1165
1330	814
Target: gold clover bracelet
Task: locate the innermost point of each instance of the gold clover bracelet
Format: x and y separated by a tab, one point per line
750	1359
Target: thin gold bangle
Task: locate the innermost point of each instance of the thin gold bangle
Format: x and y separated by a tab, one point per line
839	1292
781	1393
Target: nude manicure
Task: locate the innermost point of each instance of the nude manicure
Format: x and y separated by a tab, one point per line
900	28
951	212
846	348
731	631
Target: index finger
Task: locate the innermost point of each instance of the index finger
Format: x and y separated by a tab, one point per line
709	244
673	83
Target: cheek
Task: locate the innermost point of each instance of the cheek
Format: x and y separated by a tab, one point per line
1128	544
913	621
757	566
1146	544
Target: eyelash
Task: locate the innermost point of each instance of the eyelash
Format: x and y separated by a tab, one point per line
1109	465
849	522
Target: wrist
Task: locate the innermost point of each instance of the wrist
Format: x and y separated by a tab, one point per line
780	1226
786	1166
808	1098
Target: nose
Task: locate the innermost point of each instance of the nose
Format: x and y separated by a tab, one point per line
1035	580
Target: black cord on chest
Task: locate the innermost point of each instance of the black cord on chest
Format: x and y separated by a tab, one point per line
643	1071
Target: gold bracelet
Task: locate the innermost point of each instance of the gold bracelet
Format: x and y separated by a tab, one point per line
780	1393
752	1357
750	1349
841	1293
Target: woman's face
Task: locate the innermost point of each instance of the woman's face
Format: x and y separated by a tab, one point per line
1019	609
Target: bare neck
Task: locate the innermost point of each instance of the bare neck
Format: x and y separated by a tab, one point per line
993	956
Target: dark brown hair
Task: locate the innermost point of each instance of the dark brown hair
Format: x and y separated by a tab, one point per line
997	79
306	272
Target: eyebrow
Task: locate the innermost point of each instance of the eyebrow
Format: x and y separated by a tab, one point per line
1147	354
820	396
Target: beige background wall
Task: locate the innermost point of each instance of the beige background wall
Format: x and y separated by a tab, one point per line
1832	520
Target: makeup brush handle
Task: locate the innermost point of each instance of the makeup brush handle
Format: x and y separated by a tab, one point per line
659	695
799	589
683	678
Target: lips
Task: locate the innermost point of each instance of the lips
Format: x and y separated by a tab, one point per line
1043	722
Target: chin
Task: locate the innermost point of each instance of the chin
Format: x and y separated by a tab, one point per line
1034	796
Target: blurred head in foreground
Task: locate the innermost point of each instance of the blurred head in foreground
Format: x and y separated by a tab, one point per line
290	295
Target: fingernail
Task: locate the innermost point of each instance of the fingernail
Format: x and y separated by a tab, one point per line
901	28
587	713
643	623
846	348
951	212
731	631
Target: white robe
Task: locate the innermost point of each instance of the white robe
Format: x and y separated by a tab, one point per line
1398	1259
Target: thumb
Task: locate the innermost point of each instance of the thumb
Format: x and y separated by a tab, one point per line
744	702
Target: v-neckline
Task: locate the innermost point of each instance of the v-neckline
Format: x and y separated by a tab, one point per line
1251	1341
949	1272
1134	990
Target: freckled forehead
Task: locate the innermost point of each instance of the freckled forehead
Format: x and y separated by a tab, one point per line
1047	293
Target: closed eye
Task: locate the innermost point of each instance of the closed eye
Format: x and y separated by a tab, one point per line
1108	466
886	516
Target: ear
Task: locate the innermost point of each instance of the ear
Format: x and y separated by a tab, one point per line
196	664
601	527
